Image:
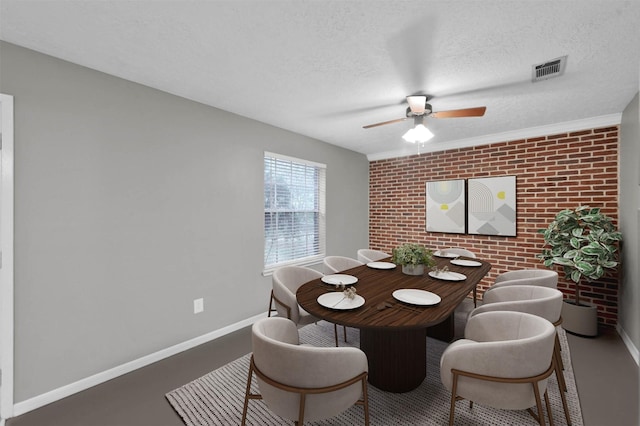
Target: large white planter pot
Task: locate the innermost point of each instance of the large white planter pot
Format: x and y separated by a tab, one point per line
413	269
581	320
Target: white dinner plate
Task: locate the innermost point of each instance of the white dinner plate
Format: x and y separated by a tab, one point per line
465	262
337	300
381	265
446	254
448	276
337	279
416	297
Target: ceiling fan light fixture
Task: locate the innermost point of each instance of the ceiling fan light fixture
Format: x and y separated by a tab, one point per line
417	104
418	134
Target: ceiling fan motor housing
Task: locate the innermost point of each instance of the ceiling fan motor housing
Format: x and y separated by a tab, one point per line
427	110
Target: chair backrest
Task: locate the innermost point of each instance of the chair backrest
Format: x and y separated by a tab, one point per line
459	251
285	282
278	356
541	277
335	264
505	345
544	302
368	255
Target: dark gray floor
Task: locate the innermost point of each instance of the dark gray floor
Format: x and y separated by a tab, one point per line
606	376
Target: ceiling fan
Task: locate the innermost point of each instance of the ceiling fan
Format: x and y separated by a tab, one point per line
419	109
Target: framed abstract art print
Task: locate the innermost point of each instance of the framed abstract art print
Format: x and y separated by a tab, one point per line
445	207
491	206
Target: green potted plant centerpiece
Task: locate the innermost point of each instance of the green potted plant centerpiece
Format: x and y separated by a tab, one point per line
584	242
413	258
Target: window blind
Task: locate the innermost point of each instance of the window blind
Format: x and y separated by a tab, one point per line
294	211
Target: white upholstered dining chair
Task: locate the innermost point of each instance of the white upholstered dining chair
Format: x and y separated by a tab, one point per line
303	382
541	277
466	253
542	301
459	251
285	283
334	264
504	361
369	255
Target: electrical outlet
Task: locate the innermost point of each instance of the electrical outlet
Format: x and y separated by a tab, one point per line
198	305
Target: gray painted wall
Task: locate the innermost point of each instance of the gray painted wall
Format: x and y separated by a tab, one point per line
129	204
629	296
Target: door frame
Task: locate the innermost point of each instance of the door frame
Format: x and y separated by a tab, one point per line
6	247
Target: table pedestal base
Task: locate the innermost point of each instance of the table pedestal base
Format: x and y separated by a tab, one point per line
444	331
397	358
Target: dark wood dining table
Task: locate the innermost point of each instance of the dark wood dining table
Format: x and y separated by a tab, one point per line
393	333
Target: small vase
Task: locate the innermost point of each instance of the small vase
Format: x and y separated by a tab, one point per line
413	269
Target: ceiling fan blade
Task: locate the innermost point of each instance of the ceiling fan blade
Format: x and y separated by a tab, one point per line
455	113
368	126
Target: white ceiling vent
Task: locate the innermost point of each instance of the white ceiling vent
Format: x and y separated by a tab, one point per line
550	69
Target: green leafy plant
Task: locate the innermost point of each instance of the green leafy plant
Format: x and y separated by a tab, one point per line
412	254
584	242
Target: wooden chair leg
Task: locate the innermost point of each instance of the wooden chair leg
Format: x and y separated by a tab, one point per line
558	348
546	401
365	401
559	367
454	389
301	409
540	414
271	309
561	382
246	395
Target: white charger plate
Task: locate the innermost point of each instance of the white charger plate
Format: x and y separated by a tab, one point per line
447	276
439	253
465	262
337	300
381	265
416	297
338	279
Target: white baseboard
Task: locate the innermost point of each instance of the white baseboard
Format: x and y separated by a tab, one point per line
88	382
629	344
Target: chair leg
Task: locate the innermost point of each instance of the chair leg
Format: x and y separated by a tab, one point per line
540	415
345	333
335	333
559	366
558	348
301	409
246	395
475	297
546	402
271	309
365	401
561	382
454	389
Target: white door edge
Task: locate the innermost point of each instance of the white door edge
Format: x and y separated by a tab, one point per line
6	246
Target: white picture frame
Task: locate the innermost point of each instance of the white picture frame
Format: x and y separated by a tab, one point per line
445	206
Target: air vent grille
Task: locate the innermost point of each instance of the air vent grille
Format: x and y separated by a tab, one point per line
549	69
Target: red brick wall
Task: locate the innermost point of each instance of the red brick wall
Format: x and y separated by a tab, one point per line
552	173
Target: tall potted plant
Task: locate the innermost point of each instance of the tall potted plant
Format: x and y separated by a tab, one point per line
584	242
413	258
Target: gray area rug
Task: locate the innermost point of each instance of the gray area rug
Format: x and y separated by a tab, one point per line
217	398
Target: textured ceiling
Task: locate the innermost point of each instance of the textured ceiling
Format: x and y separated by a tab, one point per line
326	68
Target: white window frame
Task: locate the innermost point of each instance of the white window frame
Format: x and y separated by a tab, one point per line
321	208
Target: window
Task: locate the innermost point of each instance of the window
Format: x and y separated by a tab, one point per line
294	211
